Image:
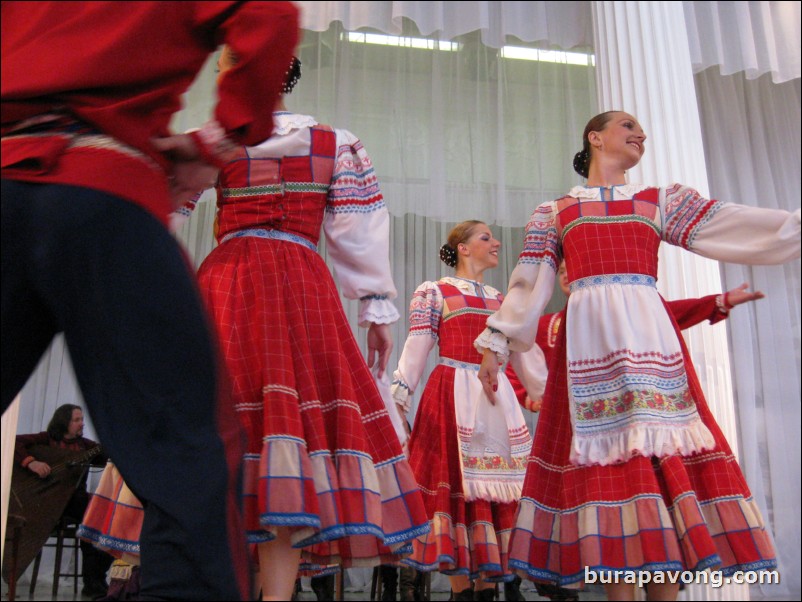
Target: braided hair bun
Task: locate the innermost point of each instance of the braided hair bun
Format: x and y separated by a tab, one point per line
292	75
448	255
582	163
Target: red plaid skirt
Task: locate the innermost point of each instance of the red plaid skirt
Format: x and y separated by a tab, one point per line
675	513
466	537
323	457
113	518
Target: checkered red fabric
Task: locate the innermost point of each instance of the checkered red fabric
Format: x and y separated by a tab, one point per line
464	317
624	228
322	457
113	519
466	537
681	512
251	191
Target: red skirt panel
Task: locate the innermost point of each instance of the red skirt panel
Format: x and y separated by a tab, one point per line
466	538
323	457
113	518
677	513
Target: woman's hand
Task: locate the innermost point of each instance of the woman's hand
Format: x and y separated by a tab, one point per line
533	406
740	295
488	374
380	344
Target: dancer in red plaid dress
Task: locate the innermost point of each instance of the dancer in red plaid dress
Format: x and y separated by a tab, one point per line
324	471
469	457
629	470
686	312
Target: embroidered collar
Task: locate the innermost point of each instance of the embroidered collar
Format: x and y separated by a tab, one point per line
471	287
285	122
624	191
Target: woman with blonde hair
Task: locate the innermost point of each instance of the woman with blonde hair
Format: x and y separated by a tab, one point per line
468	456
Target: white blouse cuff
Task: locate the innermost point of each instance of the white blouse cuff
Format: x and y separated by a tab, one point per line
401	395
495	341
377	309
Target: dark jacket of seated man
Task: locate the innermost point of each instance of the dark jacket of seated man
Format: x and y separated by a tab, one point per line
65	431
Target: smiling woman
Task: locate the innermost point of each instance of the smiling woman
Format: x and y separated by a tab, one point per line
468	456
627	452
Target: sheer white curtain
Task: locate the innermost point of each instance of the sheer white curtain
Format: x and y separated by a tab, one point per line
562	24
51	385
457	131
751	137
465	133
753	37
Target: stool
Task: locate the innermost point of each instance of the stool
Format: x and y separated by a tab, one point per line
66	534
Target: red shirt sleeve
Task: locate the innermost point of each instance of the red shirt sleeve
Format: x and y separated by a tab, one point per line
545	340
263	36
690	312
24	442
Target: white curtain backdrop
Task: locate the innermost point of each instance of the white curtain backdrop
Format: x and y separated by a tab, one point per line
562	24
465	133
8	428
753	37
751	137
453	134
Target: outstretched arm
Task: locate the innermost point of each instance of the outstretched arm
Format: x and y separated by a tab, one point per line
714	308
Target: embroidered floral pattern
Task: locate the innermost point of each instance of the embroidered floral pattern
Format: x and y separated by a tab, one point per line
632	401
541	244
493	463
685	212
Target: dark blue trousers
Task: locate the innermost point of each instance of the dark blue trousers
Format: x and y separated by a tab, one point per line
109	276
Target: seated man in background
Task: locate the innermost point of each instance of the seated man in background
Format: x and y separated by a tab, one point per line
65	431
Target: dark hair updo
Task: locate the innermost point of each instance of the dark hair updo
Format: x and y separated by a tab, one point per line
459	234
292	76
448	255
582	158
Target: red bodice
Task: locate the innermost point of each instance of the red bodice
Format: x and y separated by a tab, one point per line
610	236
465	317
286	193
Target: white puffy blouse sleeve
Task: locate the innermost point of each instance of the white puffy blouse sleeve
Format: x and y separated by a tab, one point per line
514	326
425	312
357	230
726	231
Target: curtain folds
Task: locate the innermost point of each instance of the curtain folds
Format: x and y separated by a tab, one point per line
561	24
753	37
751	131
453	132
460	131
